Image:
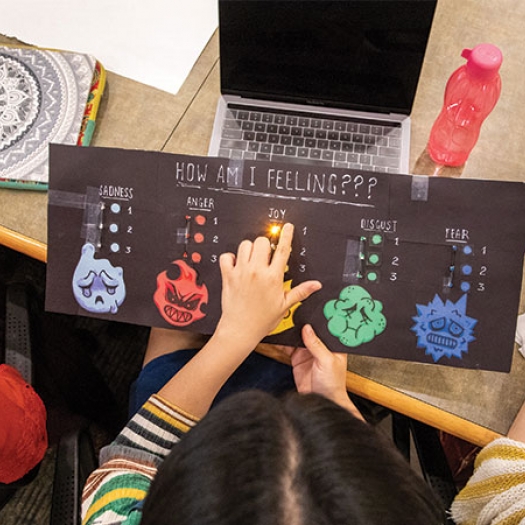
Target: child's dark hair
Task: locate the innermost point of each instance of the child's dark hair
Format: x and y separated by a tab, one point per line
258	460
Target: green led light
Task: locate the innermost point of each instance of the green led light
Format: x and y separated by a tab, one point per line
376	239
373	258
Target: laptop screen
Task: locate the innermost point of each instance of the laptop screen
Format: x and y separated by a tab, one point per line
363	55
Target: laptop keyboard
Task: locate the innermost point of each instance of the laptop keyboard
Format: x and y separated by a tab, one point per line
260	134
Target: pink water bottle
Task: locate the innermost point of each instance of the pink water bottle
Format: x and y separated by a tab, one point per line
470	95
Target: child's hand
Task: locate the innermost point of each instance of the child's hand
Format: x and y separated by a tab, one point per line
253	297
316	369
253	302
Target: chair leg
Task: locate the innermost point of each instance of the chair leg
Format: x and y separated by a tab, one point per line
430	455
401	434
433	461
18	335
74	462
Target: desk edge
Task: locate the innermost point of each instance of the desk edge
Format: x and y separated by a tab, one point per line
23	244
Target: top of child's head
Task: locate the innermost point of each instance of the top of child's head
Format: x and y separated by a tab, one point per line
300	460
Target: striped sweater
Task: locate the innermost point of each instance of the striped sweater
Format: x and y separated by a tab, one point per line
114	493
495	494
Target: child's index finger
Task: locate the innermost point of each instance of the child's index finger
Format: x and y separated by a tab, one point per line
284	246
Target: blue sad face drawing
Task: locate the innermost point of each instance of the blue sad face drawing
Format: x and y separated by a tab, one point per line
98	286
443	328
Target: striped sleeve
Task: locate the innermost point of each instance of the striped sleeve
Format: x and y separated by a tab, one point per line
113	493
495	494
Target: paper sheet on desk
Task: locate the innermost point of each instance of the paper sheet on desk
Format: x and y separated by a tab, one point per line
155	42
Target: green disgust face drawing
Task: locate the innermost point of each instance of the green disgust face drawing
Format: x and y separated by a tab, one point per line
355	318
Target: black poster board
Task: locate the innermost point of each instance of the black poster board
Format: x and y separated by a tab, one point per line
419	268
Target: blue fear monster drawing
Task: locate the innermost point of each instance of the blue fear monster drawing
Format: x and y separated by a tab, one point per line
443	328
355	318
98	286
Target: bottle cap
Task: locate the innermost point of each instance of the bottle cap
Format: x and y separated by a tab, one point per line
483	61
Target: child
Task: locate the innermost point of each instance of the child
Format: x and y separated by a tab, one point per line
254	458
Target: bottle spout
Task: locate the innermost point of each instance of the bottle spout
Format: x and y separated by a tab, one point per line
466	53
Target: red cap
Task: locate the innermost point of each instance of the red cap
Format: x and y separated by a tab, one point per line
483	61
23	435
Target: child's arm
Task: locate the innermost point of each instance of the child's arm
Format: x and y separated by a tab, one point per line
113	493
253	303
517	429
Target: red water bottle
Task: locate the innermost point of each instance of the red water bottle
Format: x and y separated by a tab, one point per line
470	95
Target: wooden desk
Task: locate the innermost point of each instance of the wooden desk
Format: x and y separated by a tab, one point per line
474	405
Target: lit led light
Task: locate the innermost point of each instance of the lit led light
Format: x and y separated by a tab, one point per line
274	230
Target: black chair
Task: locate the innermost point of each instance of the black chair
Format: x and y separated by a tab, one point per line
75	455
17	353
430	456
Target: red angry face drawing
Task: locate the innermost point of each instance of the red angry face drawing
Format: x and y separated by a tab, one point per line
180	300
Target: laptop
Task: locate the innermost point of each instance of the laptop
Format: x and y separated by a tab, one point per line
320	82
